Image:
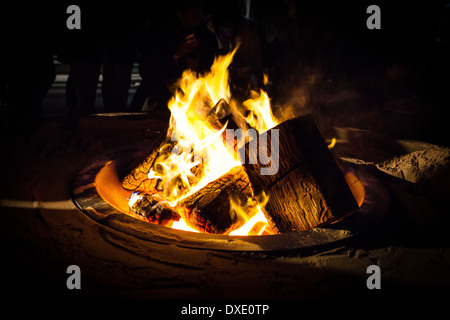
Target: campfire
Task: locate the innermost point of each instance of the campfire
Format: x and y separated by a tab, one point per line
230	167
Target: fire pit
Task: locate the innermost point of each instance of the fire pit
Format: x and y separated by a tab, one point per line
96	192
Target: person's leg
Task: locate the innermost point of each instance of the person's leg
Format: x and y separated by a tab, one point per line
115	86
82	86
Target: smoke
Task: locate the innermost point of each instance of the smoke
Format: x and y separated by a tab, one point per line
373	96
331	100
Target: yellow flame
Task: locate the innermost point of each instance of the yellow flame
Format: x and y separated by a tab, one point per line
260	116
247	227
195	142
255	215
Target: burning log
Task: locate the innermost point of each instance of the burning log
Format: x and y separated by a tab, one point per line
306	189
137	180
141	179
208	209
222	113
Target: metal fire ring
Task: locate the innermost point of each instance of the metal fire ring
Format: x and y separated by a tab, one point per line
88	200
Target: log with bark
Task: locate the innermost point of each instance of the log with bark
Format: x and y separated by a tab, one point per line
208	210
307	188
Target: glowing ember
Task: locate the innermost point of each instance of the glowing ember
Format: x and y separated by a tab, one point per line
332	143
181	225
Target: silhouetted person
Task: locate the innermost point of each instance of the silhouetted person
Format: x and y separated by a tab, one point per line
119	53
181	42
82	50
104	44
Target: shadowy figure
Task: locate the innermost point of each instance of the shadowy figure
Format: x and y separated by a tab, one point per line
119	53
104	44
180	40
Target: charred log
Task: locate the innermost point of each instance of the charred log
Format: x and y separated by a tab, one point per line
140	180
222	113
137	179
150	209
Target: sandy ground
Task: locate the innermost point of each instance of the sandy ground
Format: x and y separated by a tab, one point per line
42	232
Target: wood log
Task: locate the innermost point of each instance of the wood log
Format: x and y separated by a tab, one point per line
208	210
307	189
149	209
137	179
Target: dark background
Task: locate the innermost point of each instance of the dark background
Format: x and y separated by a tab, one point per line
319	55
